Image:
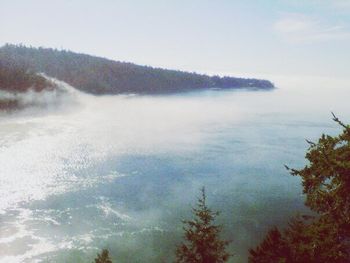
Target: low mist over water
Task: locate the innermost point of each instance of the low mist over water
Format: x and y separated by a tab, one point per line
120	172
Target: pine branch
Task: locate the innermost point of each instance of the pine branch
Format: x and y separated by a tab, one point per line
336	119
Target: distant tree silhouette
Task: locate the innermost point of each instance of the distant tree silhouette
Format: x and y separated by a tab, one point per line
103	257
202	241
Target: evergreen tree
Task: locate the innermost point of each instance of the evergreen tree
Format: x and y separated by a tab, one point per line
103	257
272	249
202	242
326	185
326	179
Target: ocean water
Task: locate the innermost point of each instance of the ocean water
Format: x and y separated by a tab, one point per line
121	172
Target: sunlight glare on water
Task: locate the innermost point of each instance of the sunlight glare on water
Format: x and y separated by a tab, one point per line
57	165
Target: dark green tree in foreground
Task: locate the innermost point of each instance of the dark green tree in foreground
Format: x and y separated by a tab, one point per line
202	237
326	185
103	257
272	249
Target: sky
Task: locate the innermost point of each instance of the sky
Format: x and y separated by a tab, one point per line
299	38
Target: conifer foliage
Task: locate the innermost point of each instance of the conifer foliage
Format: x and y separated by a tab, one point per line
326	185
264	254
103	257
202	237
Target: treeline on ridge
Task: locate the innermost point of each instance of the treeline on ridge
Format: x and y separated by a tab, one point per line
103	76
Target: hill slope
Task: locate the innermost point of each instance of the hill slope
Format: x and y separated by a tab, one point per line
15	80
103	76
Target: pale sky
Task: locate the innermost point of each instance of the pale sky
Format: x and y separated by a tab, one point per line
308	38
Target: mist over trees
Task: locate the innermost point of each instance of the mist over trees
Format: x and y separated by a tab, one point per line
322	236
17	79
98	75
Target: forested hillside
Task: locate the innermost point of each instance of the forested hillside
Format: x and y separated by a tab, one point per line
103	76
15	79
